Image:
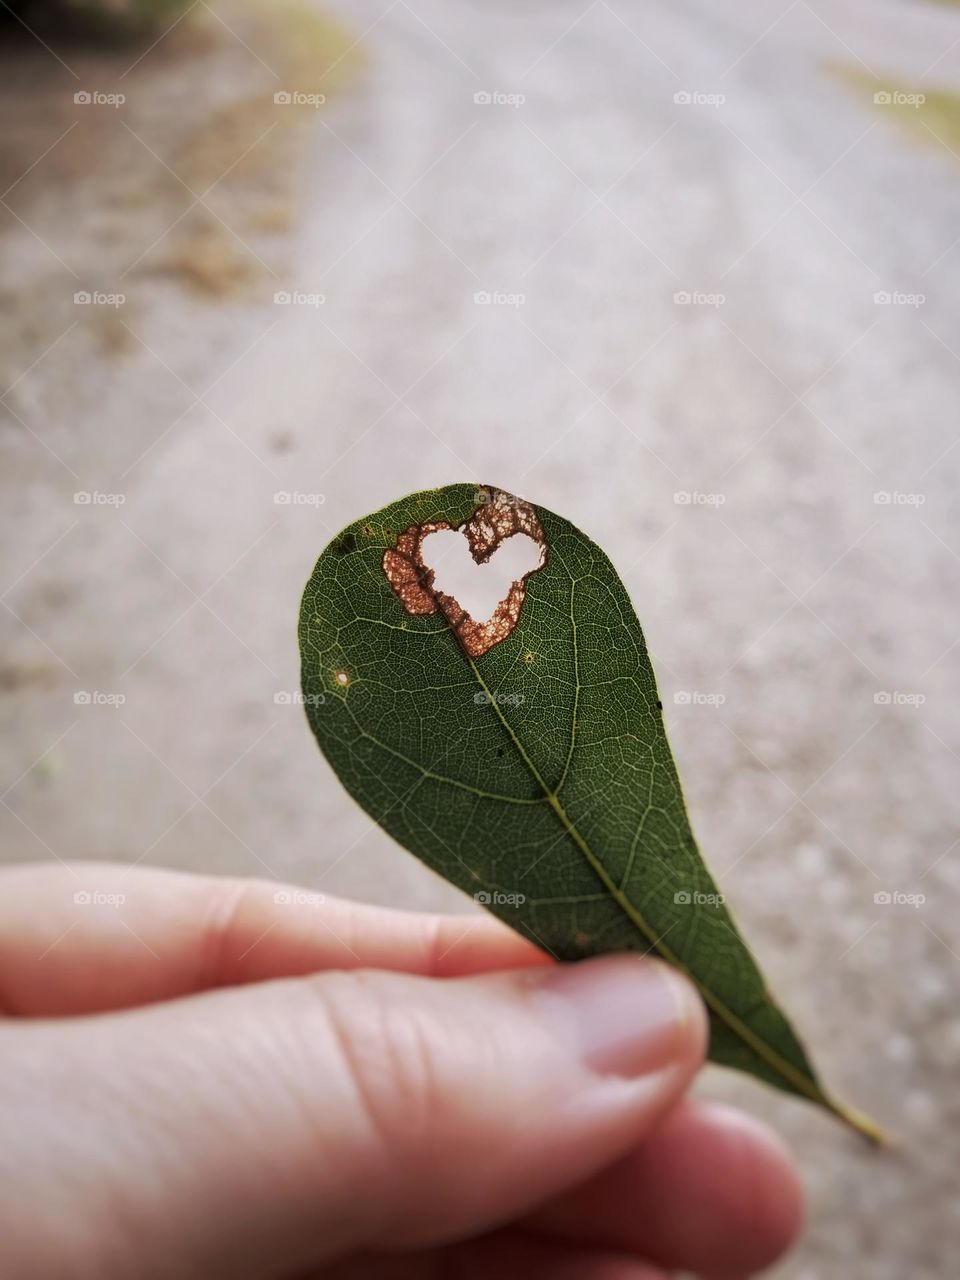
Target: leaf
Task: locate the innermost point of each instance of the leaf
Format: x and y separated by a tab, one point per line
525	758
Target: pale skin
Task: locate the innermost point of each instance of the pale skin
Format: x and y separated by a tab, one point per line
199	1081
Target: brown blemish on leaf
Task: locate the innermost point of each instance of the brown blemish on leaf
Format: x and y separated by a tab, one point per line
495	520
342	678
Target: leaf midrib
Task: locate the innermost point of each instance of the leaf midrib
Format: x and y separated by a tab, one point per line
760	1047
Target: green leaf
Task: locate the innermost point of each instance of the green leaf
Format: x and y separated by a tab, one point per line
526	760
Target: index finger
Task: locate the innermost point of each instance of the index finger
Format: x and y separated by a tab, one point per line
93	937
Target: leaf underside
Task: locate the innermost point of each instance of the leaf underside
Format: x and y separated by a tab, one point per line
539	769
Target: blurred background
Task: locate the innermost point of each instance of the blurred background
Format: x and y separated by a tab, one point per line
686	275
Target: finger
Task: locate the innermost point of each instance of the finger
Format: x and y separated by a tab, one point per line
512	1253
710	1190
505	1253
270	1128
96	936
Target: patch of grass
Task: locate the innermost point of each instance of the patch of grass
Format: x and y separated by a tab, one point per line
929	115
941	116
253	141
108	193
210	260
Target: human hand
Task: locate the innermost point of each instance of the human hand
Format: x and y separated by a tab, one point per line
197	1081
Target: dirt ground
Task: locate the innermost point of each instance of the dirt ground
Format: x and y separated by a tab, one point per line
722	253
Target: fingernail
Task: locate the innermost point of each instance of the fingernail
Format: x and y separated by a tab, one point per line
628	1015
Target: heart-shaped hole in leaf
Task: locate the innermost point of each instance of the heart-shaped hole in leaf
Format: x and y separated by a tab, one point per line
478	588
498	519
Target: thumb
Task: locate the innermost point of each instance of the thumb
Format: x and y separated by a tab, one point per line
272	1127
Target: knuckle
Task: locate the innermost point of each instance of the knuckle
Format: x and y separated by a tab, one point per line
220	928
386	1047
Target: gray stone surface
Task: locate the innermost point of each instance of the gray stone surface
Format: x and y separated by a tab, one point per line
783	585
